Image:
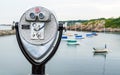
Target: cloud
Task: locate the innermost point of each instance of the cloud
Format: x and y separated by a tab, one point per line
64	9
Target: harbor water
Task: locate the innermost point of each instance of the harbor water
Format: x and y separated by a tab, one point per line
5	27
69	59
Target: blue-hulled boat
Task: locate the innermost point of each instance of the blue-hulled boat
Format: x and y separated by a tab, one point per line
94	33
89	35
79	37
64	37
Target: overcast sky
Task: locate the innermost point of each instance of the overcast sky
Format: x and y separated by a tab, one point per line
11	10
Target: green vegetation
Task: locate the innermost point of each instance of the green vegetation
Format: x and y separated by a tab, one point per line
113	22
93	21
110	22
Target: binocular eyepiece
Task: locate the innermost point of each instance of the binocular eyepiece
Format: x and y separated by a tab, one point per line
40	16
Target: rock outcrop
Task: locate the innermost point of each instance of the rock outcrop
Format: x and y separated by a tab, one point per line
98	26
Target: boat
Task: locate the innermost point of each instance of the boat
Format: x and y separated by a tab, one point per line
100	50
64	37
94	33
72	42
79	37
89	35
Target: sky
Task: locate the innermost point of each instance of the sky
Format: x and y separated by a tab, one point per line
12	10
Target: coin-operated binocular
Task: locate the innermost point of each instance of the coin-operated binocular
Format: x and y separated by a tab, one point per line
38	34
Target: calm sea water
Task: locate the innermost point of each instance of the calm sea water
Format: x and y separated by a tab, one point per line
69	60
5	27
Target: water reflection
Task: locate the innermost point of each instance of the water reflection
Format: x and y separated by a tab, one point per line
72	46
100	54
103	55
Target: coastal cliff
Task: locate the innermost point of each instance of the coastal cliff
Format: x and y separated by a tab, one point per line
98	25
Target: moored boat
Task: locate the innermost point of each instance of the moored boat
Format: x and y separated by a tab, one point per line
64	37
100	50
72	42
79	37
89	35
94	33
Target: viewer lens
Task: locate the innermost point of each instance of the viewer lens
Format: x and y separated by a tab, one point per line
41	16
32	15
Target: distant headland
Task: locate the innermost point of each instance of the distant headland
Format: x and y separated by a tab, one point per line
7	29
7	32
98	25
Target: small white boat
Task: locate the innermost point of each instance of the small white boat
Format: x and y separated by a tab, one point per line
100	50
104	50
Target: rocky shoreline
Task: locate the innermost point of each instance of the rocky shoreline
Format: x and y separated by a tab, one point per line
98	26
96	29
7	32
